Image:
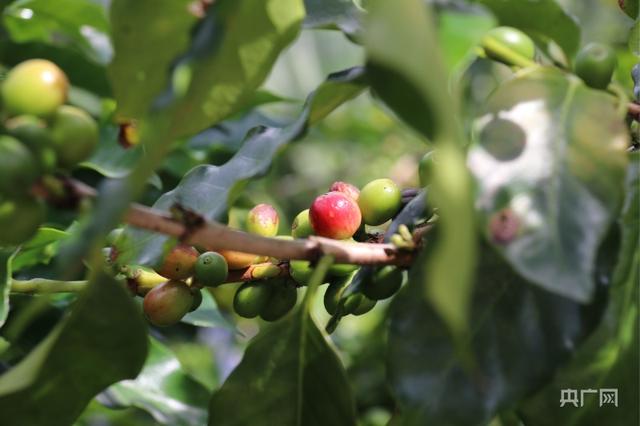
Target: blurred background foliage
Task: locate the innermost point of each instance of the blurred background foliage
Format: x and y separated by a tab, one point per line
358	142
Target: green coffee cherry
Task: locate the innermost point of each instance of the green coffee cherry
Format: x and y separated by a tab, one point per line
300	271
19	219
333	294
251	298
364	306
384	283
18	167
211	269
283	298
36	87
197	299
33	132
301	226
167	303
263	220
74	134
630	7
595	64
342	269
503	42
379	201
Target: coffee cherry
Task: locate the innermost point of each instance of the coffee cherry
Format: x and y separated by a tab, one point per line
282	299
36	87
33	132
74	134
595	64
301	226
384	283
364	306
18	167
211	269
167	303
263	220
251	298
425	168
197	299
342	269
346	188
300	271
179	263
499	43
335	215
379	201
238	260
19	219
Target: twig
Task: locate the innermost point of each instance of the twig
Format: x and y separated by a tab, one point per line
215	236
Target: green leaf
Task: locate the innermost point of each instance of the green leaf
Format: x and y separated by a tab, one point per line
148	35
460	29
538	18
519	335
163	389
39	249
609	358
78	24
209	190
549	163
6	257
111	159
333	14
207	315
634	38
289	375
102	341
225	71
415	87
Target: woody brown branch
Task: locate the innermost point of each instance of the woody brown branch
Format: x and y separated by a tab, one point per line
215	236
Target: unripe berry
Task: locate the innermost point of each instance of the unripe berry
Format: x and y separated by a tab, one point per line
36	87
74	134
355	304
282	299
300	271
179	263
18	167
595	64
239	260
33	132
335	215
211	269
301	226
251	298
197	299
379	201
499	42
263	220
166	304
346	188
630	7
19	219
384	283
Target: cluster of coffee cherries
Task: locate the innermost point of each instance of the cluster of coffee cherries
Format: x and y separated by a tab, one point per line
173	289
39	135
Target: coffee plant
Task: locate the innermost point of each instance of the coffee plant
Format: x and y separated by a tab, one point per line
304	212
